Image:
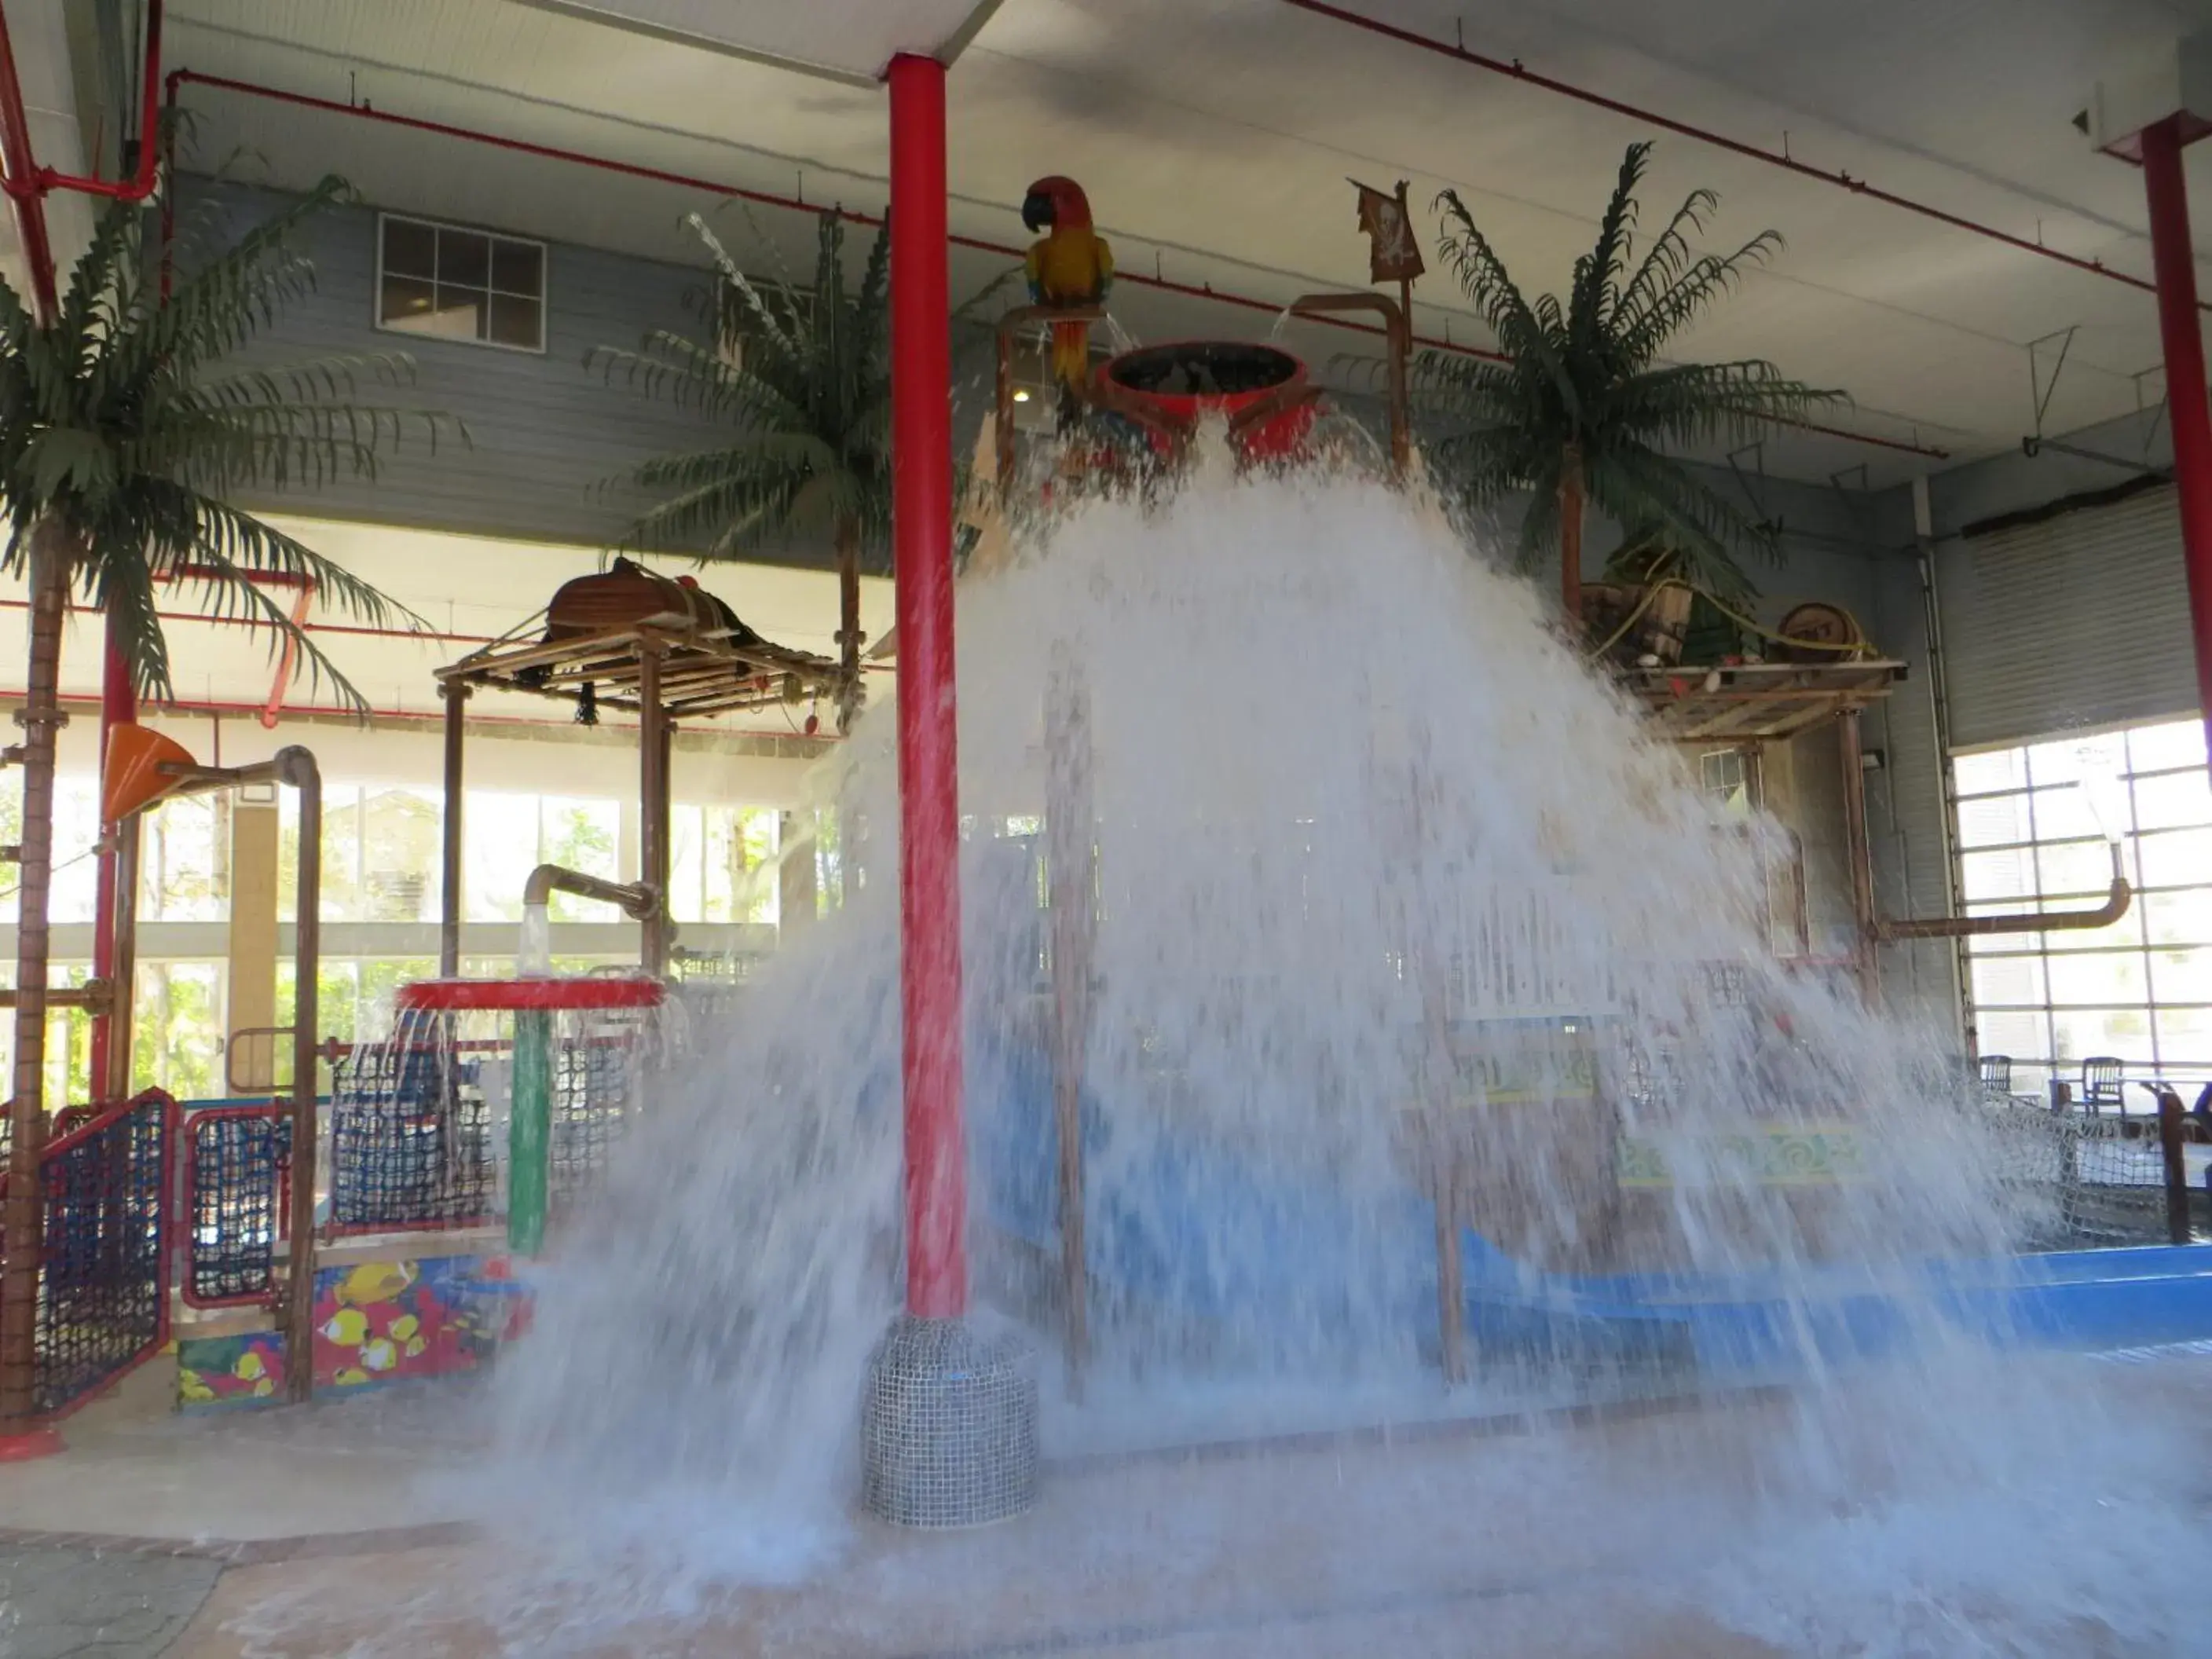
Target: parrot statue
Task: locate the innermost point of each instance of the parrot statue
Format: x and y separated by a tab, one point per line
1069	265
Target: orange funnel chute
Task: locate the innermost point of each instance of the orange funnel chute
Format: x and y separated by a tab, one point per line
133	779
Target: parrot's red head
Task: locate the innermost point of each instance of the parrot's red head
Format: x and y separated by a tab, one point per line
1055	204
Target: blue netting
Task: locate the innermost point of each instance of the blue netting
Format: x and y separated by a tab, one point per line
236	1158
105	1287
411	1142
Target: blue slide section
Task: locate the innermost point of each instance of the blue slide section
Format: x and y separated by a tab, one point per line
1197	1232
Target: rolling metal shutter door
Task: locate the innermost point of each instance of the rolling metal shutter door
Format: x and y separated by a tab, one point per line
2080	620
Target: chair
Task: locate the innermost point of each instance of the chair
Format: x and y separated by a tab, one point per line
1996	1073
2102	1085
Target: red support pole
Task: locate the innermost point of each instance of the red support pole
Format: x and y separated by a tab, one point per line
2174	262
928	755
119	706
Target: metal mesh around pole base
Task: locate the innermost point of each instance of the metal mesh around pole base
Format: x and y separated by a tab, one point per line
949	1424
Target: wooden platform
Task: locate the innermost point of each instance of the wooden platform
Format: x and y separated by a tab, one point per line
1757	703
701	675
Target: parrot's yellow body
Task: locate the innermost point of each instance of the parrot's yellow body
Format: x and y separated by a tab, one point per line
1070	265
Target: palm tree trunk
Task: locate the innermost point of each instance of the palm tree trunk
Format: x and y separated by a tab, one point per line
847	535
50	551
1570	533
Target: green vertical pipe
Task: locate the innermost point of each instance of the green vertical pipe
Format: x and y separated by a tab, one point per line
529	1133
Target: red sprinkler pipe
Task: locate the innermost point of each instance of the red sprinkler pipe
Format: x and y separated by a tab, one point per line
2182	335
140	185
928	757
1515	69
974	244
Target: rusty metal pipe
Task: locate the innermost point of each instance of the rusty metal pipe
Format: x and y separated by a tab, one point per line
296	767
2019	921
1398	336
637	899
96	995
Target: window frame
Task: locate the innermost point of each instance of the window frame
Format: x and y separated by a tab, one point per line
544	295
2179	1055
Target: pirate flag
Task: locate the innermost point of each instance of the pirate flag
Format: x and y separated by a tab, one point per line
1393	252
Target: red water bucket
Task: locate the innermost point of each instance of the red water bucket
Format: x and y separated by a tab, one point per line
1262	391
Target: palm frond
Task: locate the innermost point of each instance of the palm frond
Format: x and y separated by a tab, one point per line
1597	273
1647	321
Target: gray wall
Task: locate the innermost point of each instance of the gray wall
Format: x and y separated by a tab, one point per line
545	435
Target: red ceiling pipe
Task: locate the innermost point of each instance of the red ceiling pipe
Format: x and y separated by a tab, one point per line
1516	71
928	730
140	185
975	244
19	178
2182	334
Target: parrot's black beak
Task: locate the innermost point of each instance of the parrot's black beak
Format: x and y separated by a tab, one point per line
1036	211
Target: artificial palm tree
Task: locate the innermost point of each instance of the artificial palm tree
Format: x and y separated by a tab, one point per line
1581	408
120	439
801	372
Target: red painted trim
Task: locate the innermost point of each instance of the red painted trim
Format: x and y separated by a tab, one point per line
974	244
928	730
596	992
1515	69
30	1444
2181	331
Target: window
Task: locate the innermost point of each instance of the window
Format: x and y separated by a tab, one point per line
452	283
2033	823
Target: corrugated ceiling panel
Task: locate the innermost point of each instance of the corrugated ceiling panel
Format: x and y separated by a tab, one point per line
2080	620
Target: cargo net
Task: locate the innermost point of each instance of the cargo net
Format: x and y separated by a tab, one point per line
419	1122
2081	1179
104	1285
237	1159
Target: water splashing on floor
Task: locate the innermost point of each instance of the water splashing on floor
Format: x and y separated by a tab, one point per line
1357	812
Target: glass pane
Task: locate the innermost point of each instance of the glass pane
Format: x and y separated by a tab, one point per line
2185	1045
178	1028
2068	760
341	872
2098	977
2007	982
584	836
2007	875
1982	775
464	258
2176	743
75	884
761	833
399	856
2084	1032
2182	975
499	834
514	322
2176	858
2076	867
686	875
2023	1036
2183	917
459	315
1994	821
2177	800
409	249
2067	813
517	268
183	859
406	302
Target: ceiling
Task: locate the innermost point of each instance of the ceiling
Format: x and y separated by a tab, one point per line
1214	138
